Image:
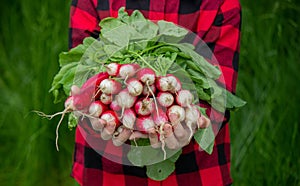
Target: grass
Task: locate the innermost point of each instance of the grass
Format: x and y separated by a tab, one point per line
264	134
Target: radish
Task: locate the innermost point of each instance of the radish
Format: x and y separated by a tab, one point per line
110	86
168	83
160	118
129	118
125	100
95	80
174	83
148	89
144	123
111	118
106	98
113	69
97	108
69	103
165	99
114	106
112	122
184	98
162	83
74	90
176	114
128	70
192	115
134	86
146	75
144	106
84	98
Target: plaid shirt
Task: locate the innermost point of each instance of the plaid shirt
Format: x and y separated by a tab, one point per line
217	22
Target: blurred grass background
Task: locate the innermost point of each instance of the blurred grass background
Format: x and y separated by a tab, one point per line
265	134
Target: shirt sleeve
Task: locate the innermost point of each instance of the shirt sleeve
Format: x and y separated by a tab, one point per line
223	38
84	21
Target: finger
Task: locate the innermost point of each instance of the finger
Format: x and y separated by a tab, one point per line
203	122
170	138
108	131
174	118
136	135
123	136
181	134
75	90
153	137
97	124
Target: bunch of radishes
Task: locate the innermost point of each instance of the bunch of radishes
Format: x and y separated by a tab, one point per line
135	98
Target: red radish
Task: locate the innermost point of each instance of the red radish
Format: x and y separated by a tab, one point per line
146	75
168	83
124	99
162	83
69	103
114	106
97	108
184	98
106	98
128	70
134	86
110	86
74	90
110	117
144	123
113	69
192	115
84	98
147	90
176	112
160	118
129	118
165	99
95	80
174	83
144	106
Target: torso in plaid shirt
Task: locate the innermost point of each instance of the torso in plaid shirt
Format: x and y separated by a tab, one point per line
217	22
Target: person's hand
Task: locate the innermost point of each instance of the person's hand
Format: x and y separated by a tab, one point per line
176	134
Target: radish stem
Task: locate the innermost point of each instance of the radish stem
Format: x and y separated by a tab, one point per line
155	103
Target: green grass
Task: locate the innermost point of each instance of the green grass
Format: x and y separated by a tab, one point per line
264	134
32	35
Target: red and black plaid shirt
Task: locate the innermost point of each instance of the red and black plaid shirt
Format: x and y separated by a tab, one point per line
217	22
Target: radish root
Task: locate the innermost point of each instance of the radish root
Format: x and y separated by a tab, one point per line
156	107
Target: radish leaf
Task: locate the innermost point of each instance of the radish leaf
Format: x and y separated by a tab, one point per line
205	138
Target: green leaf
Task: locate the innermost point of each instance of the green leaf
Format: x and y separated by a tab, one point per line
209	70
205	138
72	121
233	102
144	155
198	78
160	171
201	93
75	54
170	33
63	81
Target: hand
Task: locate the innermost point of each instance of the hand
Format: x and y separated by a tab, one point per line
177	135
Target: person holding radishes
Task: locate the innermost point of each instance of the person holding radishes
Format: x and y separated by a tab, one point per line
142	92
